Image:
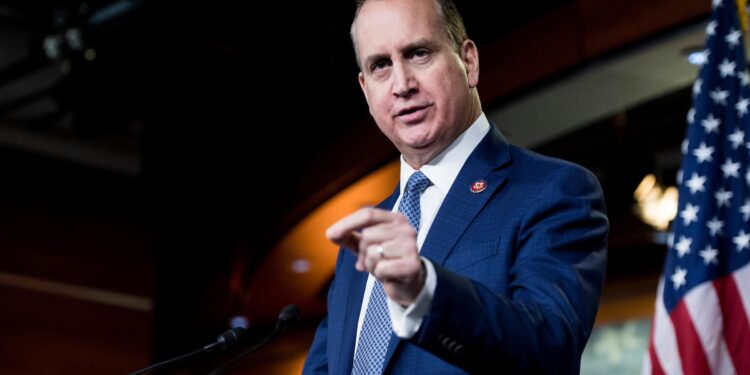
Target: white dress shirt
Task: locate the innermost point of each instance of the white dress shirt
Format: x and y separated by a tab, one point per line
442	171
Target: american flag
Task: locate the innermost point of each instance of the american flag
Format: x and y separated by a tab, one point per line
701	323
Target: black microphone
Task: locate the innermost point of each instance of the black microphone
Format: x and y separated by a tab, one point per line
224	341
288	316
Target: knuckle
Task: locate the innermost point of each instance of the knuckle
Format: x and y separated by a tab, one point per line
370	213
366	232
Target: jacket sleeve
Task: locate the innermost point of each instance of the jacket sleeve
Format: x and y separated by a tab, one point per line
317	358
543	321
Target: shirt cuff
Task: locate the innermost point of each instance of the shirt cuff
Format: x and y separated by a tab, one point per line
407	320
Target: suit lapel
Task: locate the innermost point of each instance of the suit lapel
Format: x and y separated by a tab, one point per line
353	305
462	205
353	302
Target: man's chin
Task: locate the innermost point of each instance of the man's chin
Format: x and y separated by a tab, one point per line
418	138
419	153
421	145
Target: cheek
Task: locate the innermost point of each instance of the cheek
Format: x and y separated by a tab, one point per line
456	86
447	96
380	110
376	100
456	81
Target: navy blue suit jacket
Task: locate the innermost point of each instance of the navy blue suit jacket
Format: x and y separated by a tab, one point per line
520	267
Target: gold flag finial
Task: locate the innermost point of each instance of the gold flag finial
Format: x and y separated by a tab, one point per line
742	13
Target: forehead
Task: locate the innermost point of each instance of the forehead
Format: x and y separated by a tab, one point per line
385	24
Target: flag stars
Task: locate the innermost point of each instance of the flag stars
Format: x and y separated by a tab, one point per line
741	107
730	169
697	87
744	78
711	124
709	255
714	226
683	246
726	68
745	209
720	104
737	138
711	28
703	153
689	214
695	183
701	58
719	96
733	38
742	241
722	197
679	278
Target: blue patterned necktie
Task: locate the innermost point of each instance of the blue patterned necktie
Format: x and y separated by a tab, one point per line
376	329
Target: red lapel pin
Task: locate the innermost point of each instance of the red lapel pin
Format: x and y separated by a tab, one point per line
478	186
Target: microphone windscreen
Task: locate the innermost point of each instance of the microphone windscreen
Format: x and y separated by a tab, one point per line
231	337
289	314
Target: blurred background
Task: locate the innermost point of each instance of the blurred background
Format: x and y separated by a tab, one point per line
168	168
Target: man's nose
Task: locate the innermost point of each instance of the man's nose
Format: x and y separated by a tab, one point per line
404	81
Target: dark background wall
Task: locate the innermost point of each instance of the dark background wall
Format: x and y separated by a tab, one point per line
200	131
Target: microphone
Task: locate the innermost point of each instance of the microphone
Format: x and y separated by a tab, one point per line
224	341
288	316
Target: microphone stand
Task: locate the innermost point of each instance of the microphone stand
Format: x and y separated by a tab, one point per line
289	315
225	340
168	362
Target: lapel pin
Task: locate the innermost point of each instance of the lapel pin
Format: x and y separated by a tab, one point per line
478	186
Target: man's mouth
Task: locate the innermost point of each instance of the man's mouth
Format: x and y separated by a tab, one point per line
413	115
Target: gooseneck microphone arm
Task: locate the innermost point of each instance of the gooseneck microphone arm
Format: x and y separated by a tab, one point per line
288	316
224	341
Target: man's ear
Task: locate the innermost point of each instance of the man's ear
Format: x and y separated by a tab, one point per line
470	58
363	86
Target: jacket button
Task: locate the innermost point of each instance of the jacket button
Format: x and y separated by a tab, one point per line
451	345
446	341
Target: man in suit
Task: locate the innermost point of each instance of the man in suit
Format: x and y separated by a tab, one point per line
487	257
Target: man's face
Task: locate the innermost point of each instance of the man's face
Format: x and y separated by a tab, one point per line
418	88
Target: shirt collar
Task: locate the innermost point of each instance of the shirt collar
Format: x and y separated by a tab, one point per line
443	169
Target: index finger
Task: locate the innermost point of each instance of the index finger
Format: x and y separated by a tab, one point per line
357	221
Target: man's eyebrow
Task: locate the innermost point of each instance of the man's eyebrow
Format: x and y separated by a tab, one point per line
421	43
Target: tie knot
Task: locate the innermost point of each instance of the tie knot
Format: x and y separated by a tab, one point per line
417	183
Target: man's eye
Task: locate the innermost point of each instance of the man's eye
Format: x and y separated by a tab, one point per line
421	53
378	65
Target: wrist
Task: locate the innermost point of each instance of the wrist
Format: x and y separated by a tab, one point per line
421	279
